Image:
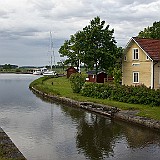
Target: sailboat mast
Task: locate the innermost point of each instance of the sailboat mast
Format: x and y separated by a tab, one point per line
52	50
51	62
51	47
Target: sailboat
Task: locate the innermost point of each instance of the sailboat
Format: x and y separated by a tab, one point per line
50	72
39	71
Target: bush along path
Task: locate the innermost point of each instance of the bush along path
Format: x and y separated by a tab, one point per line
59	89
128	94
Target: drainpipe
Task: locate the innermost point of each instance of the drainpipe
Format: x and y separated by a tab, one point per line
153	73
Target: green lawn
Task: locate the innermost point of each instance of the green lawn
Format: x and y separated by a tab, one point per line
61	86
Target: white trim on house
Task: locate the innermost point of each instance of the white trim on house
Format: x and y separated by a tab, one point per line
152	74
122	72
135	54
135	77
125	57
147	57
159	77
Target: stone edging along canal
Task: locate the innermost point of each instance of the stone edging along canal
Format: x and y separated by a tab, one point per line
8	149
113	112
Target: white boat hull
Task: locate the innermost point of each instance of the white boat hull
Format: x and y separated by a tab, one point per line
39	71
49	73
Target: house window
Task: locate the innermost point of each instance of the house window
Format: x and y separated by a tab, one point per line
147	57
135	77
125	58
135	54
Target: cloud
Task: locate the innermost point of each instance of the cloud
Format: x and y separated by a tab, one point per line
25	24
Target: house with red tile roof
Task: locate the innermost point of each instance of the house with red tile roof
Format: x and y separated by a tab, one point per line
141	62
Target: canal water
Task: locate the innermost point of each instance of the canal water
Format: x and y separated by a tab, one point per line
49	131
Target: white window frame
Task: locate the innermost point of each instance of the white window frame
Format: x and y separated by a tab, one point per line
125	58
147	57
135	53
159	76
136	78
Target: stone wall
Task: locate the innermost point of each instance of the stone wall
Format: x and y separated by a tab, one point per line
8	149
113	112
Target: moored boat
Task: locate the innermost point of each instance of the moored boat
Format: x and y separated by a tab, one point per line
50	73
39	71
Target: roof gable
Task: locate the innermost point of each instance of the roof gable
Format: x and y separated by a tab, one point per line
93	72
151	47
71	68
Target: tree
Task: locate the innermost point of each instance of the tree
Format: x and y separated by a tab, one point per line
61	63
99	46
94	46
116	70
71	50
7	66
151	32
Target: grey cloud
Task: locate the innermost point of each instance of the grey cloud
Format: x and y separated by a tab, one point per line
134	2
17	34
6	13
44	8
3	14
26	29
145	1
42	5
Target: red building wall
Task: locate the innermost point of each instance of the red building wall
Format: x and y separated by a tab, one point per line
70	70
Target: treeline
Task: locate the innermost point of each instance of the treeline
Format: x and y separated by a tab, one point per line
8	66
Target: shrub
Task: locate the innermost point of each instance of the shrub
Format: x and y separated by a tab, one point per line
77	81
128	94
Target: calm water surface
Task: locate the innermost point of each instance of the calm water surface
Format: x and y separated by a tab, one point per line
49	131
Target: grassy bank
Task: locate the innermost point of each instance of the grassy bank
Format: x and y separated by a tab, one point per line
61	87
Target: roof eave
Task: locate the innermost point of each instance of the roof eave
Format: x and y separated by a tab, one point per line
128	46
142	49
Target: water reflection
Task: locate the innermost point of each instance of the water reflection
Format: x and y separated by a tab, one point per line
44	130
99	137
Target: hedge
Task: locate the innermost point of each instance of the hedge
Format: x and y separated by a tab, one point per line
128	94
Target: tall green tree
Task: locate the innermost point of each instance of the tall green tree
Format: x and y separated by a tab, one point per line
151	32
99	45
94	46
71	50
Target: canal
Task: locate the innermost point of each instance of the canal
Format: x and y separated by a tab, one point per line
49	131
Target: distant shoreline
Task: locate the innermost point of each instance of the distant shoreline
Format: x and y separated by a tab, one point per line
16	72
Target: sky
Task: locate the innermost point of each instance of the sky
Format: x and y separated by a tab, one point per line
25	25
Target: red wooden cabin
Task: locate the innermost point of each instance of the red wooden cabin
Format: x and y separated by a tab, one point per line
71	70
100	78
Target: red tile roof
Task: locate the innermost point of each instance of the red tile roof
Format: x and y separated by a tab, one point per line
150	46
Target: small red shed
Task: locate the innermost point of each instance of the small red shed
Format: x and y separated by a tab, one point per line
101	76
99	79
71	70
